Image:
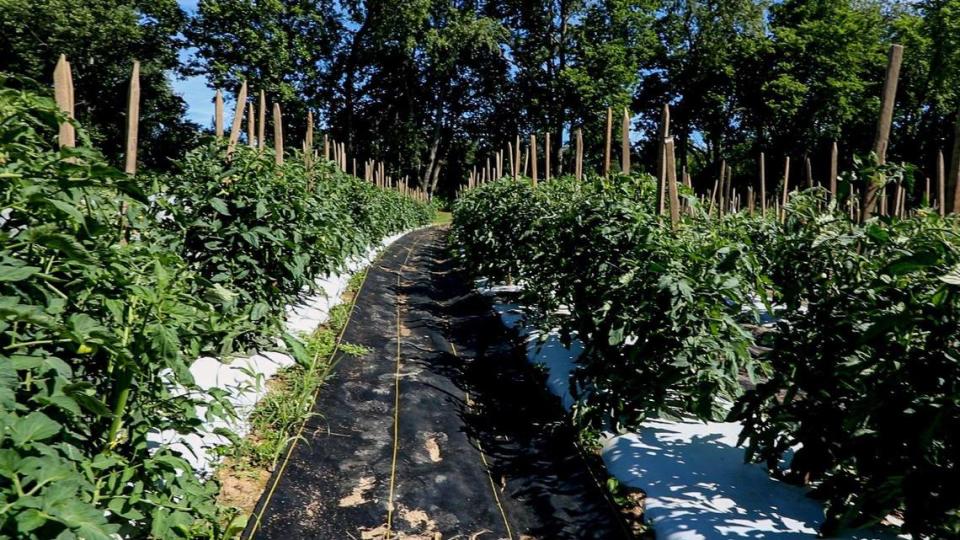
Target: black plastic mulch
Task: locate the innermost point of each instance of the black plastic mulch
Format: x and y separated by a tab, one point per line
482	450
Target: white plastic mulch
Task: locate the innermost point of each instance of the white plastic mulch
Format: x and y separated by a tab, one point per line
243	378
697	484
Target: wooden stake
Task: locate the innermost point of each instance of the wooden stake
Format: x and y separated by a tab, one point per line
579	156
661	160
251	127
809	169
513	170
834	155
721	195
606	154
262	134
898	201
763	186
786	189
516	169
941	188
713	197
729	185
277	135
953	205
308	142
546	156
133	119
625	143
903	203
533	158
926	192
882	139
237	118
750	200
63	94
672	184
218	114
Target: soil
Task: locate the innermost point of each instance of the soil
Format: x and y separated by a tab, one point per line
442	429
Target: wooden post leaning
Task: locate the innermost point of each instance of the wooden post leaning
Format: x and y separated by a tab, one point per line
882	138
133	120
277	135
63	94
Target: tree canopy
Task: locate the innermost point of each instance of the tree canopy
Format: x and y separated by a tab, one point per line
102	38
433	87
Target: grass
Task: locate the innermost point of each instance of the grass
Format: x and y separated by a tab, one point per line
288	403
442	218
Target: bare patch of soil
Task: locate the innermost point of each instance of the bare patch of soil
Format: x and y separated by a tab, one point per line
359	494
240	487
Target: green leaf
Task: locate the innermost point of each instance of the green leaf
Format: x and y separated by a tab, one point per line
297	350
83	395
86	520
69	209
258	311
219	205
952	277
911	263
164	341
29	520
36	426
616	336
17	273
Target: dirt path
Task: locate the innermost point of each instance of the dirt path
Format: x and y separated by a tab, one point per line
441	431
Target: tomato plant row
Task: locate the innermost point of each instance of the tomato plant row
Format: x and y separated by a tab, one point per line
101	317
860	366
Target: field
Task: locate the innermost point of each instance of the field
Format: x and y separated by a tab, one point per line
427	270
112	287
828	340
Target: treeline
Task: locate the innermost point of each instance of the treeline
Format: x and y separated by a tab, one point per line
430	85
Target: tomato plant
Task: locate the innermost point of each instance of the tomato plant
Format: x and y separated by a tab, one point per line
857	380
101	316
657	310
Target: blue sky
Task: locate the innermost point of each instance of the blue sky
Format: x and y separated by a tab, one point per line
194	90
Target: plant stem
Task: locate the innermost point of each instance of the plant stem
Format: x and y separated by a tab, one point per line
125	379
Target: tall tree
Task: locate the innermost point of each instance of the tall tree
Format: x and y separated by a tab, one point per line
827	65
102	38
281	47
613	44
703	46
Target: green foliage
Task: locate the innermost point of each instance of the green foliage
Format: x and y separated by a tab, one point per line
289	401
857	390
102	315
264	242
101	39
657	310
872	402
93	331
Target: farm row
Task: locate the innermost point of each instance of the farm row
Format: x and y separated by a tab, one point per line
833	343
111	285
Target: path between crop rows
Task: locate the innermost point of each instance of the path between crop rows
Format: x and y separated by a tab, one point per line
441	431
